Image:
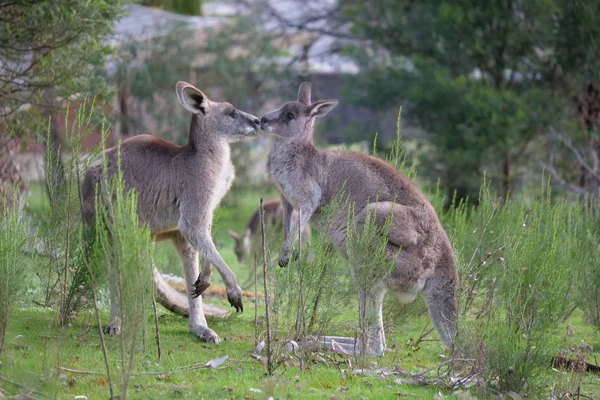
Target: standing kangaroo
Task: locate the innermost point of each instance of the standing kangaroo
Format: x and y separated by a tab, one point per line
179	189
273	211
309	178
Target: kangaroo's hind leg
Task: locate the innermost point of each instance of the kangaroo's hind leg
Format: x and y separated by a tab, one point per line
371	319
197	321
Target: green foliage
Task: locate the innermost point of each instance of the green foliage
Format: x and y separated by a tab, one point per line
51	45
125	249
13	239
312	289
62	272
481	77
519	282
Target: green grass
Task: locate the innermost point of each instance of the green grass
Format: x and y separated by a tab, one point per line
32	354
35	348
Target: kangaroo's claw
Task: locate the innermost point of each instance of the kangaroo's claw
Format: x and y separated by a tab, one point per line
200	286
234	296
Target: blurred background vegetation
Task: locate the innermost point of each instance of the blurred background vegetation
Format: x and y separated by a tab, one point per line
509	88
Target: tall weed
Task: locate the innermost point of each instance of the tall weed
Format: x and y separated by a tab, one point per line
13	239
62	272
125	249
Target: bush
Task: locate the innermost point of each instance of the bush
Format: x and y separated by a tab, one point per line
518	283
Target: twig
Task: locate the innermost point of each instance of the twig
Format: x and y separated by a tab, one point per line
181	370
78	371
556	176
424	334
255	298
23	387
158	347
440	365
265	282
576	152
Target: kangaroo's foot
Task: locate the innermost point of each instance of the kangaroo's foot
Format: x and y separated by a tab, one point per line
284	257
234	295
200	286
113	329
206	334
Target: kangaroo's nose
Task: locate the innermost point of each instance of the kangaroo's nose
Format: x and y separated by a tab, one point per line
256	121
264	120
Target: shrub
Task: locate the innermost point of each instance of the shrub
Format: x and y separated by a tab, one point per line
518	283
125	249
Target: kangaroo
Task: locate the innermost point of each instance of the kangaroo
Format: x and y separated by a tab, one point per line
273	209
179	189
309	178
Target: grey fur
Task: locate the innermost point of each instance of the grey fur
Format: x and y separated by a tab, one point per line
309	178
179	189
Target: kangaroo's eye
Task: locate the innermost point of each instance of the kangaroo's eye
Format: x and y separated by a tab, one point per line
233	114
289	116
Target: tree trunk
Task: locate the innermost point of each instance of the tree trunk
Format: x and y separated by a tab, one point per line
123	114
506	176
589	114
12	186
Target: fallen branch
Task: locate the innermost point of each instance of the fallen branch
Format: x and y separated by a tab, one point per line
78	371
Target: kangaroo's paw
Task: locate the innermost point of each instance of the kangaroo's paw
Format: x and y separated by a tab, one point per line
234	295
200	286
113	329
283	261
206	334
284	256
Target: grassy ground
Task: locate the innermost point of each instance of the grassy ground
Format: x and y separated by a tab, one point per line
35	349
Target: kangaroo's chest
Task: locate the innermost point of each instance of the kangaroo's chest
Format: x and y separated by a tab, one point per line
284	173
223	182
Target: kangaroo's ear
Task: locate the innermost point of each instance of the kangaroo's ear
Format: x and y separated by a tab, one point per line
191	98
233	234
304	93
322	108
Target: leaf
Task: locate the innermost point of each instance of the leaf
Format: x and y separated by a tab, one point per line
216	362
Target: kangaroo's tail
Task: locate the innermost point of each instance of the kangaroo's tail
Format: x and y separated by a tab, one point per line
440	293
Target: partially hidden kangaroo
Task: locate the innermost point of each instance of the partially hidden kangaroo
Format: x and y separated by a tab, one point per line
179	189
249	240
309	178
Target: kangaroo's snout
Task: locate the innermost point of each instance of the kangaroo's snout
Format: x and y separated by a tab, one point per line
253	124
266	122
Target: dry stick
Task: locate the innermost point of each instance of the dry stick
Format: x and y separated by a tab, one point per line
265	281
94	297
255	297
78	371
156	319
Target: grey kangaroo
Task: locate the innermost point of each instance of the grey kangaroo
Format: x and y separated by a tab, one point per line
244	243
309	178
179	189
